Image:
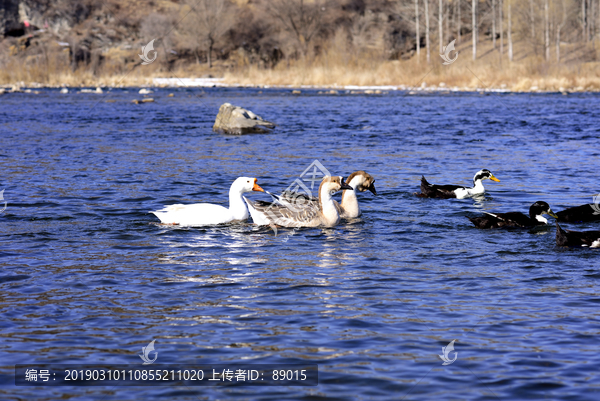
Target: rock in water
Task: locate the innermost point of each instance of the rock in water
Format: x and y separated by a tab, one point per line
236	120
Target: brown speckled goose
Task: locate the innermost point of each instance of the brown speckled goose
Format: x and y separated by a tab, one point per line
301	214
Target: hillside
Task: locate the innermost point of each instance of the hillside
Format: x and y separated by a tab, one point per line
295	42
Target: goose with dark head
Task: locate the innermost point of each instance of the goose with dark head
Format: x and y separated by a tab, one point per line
360	181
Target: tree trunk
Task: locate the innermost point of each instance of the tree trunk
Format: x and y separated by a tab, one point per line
587	23
558	44
417	30
209	55
532	19
474	28
510	44
427	31
558	29
494	24
546	31
501	29
440	20
459	22
447	26
583	19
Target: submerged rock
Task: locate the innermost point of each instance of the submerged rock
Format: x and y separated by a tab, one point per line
146	100
237	120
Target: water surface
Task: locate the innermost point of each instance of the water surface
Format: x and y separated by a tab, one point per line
88	276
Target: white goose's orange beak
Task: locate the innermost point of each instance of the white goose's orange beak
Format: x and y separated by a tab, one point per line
256	187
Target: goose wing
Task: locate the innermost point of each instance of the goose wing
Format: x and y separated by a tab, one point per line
514	219
438	191
497	220
285	215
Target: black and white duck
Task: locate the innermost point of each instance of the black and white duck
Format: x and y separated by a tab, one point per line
456	191
515	219
580	214
577	238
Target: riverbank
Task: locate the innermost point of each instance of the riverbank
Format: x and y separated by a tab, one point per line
464	76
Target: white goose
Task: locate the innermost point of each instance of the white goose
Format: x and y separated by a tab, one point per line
323	212
204	214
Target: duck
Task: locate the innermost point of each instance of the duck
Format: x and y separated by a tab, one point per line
299	212
456	191
580	214
360	181
577	238
205	214
515	219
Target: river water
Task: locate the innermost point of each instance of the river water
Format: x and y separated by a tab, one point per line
88	276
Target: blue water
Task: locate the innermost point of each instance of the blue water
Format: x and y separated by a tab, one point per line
88	276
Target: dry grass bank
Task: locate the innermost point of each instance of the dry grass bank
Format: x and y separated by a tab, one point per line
335	67
527	72
463	75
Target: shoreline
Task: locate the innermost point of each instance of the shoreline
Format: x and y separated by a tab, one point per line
164	83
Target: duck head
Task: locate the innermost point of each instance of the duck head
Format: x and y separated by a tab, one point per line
333	184
362	181
540	208
246	184
484	174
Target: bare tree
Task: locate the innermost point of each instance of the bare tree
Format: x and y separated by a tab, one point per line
500	9
510	43
558	29
367	33
494	24
458	19
299	19
447	26
206	24
440	20
474	28
584	13
159	27
418	37
427	31
532	19
546	31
